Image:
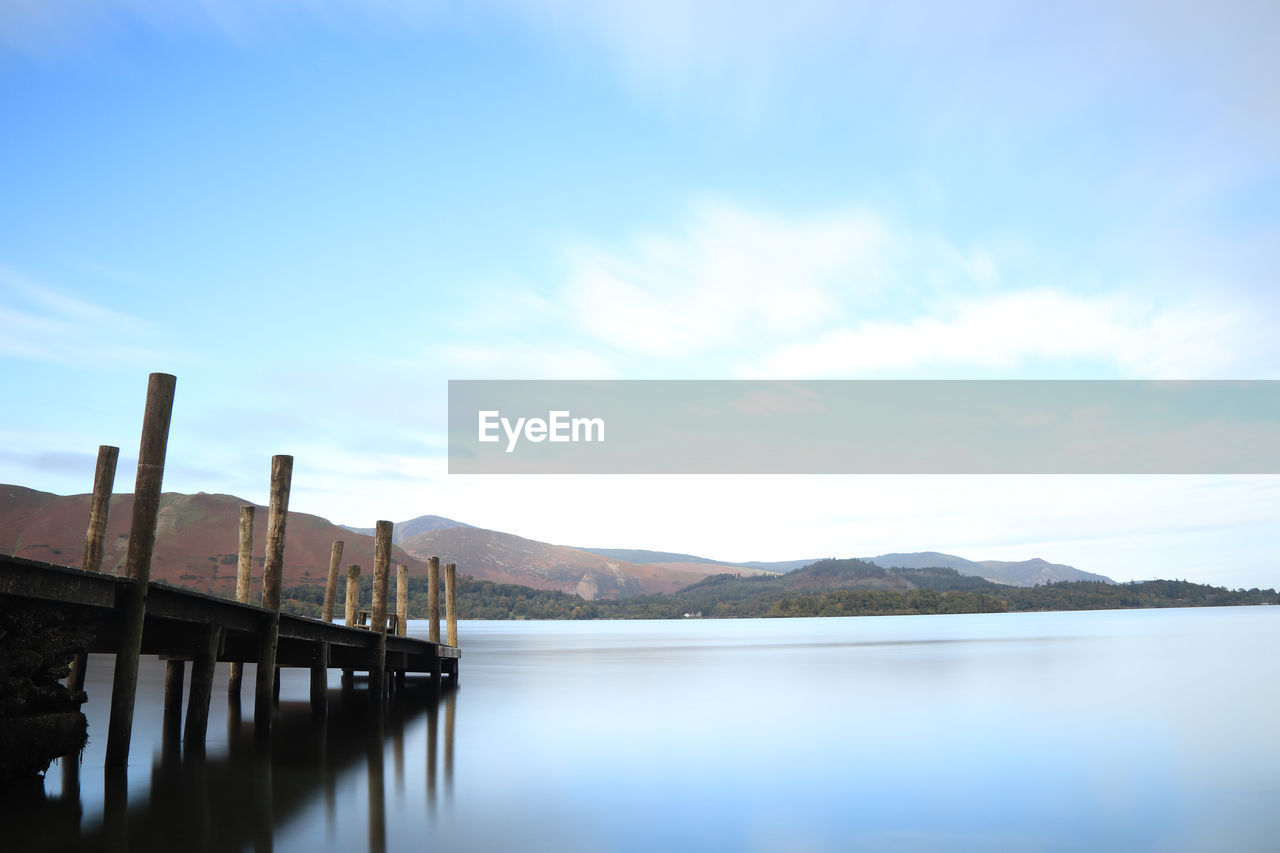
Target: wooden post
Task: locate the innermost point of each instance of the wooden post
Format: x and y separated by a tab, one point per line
273	568
142	541
381	565
402	600
433	599
202	688
451	600
104	477
244	561
353	594
244	568
174	674
320	678
331	585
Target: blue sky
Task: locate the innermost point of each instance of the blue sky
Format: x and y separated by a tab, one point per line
317	213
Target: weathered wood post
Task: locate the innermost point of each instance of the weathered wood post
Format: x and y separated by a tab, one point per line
104	478
273	568
174	675
331	585
202	688
353	594
451	599
402	600
433	599
142	541
352	612
320	677
244	568
381	565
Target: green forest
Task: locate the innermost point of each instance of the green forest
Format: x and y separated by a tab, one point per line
824	588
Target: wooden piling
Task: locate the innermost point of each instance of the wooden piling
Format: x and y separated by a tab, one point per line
381	565
202	688
244	561
174	675
353	594
142	540
331	585
104	477
451	600
320	678
244	568
402	600
273	568
433	599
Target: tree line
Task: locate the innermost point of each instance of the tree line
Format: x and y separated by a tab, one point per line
826	588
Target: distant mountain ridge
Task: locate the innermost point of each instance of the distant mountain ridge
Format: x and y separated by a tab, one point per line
1021	573
402	530
196	545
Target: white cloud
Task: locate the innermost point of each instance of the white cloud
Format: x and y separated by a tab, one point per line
1006	331
850	293
729	275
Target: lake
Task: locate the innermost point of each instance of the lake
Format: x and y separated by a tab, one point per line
1112	730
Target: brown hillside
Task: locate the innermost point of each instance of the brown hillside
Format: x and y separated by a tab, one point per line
197	538
506	558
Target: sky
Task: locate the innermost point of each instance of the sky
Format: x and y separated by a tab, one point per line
315	214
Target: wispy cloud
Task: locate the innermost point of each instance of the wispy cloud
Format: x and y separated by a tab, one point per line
852	293
40	323
727	275
1008	331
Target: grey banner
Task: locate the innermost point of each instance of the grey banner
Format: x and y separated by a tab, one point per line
864	427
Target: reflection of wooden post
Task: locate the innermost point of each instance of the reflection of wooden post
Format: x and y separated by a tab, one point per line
402	600
331	585
353	594
104	477
244	567
377	783
450	702
433	599
451	600
381	566
142	541
433	713
273	568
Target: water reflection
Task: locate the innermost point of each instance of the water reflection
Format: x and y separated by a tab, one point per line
236	799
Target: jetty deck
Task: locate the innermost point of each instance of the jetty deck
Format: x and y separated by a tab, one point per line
178	622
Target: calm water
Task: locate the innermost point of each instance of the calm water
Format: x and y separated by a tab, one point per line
1121	730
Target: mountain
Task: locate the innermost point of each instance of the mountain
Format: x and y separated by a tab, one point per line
505	558
197	538
404	529
1035	571
700	566
1023	573
780	566
639	555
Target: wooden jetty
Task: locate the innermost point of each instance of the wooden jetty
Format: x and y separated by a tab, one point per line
130	615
